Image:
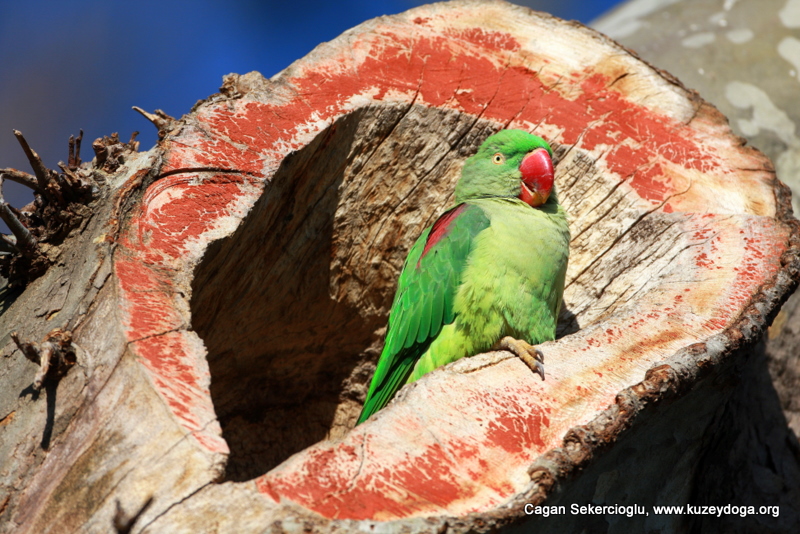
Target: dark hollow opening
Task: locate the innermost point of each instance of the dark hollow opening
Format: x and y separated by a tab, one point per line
291	306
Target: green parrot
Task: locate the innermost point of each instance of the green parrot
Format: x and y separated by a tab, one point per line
488	274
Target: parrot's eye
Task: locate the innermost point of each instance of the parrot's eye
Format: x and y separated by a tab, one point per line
498	159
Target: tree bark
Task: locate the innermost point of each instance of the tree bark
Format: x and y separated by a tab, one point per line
228	294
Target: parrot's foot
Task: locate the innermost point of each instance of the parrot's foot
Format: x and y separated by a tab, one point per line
526	352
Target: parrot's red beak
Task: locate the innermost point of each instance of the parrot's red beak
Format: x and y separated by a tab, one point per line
537	177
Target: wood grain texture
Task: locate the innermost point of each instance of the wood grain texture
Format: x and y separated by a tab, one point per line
736	57
251	281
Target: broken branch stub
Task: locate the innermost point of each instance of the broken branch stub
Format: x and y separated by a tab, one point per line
55	355
60	205
254	276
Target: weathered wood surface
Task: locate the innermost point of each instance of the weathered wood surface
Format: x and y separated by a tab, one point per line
239	300
744	57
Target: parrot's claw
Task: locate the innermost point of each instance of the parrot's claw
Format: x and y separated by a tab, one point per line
526	352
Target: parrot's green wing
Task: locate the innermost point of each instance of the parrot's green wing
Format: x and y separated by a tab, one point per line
423	303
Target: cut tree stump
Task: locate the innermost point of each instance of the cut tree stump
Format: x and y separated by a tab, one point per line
228	296
735	56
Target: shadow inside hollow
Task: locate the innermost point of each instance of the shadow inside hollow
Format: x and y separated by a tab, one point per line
567	322
279	344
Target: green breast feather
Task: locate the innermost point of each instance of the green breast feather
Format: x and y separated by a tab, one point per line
492	266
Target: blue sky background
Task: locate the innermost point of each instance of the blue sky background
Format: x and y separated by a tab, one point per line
83	63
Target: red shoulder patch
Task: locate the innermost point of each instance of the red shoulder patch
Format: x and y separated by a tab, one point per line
440	228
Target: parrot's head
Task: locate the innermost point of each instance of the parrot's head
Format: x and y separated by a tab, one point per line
512	164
